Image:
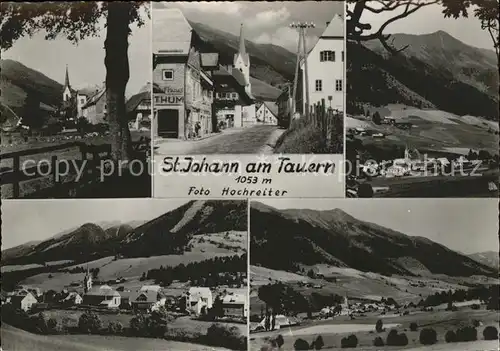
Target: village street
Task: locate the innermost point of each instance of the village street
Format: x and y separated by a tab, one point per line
250	140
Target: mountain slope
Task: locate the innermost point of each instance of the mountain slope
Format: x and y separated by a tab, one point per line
334	237
426	74
166	234
488	258
271	65
17	81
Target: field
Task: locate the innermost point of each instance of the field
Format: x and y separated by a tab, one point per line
432	130
14	339
333	330
11	268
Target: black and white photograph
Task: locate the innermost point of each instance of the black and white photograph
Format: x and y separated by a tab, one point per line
422	98
76	99
248	77
374	274
133	274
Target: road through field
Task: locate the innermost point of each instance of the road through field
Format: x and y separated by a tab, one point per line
14	339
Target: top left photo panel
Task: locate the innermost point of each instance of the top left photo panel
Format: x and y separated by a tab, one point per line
75	100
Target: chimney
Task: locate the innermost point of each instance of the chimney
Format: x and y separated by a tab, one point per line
327	23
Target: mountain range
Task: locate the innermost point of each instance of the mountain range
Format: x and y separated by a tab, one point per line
488	258
435	70
166	234
286	239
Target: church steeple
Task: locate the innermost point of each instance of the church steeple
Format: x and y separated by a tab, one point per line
66	79
243	50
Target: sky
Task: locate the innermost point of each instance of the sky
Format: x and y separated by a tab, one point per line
465	225
86	60
33	220
264	22
430	19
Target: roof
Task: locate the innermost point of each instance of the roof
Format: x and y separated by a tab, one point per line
151	287
20	297
103	290
136	100
172	32
335	28
235	299
242	50
209	59
199	291
95	98
149	296
272	107
236	75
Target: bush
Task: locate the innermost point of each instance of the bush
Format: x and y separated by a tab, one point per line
395	339
279	340
428	336
476	323
450	336
379	326
468	333
476	306
413	326
115	328
318	343
378	341
300	344
350	341
139	325
229	337
490	333
89	323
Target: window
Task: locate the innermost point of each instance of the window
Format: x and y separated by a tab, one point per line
319	85
234	95
342	55
327	55
338	84
168	74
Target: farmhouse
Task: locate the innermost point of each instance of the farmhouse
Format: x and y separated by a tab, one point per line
23	300
235	305
73	298
138	109
325	63
267	113
149	300
102	296
199	300
95	110
183	73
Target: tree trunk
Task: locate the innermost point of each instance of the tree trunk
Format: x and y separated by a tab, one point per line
117	75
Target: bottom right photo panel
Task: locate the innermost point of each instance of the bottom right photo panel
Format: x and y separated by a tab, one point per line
374	274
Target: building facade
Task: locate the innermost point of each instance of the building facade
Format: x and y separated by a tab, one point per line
267	113
199	300
325	63
235	305
183	107
95	109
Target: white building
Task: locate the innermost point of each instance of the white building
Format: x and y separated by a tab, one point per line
23	300
235	305
325	63
267	113
199	300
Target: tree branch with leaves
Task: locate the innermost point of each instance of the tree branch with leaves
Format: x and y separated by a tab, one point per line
78	21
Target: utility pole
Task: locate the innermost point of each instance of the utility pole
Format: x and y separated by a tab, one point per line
302	26
294	107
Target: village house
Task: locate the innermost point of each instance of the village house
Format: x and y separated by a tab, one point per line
148	300
183	73
102	296
325	63
72	299
23	300
71	96
235	305
267	113
95	109
199	300
138	108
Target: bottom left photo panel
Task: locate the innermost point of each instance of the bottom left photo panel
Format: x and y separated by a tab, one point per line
128	274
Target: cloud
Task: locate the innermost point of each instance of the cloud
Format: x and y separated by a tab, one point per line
272	17
285	37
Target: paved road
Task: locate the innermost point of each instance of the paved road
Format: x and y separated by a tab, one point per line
250	140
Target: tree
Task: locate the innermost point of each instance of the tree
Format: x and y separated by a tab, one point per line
379	326
376	118
77	21
89	323
358	31
32	116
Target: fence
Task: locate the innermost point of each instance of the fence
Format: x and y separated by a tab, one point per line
329	121
90	158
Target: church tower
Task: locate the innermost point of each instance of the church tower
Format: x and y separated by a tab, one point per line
242	61
67	87
87	281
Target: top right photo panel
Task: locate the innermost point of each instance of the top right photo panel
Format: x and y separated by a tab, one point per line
422	99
